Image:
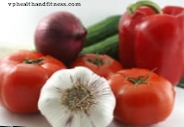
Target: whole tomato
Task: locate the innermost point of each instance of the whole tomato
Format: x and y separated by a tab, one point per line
102	65
142	96
22	75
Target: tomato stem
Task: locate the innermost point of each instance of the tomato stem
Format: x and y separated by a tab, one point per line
36	62
141	79
97	61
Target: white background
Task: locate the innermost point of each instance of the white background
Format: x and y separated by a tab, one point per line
17	24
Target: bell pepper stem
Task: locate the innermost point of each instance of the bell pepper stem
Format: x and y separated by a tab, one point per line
133	7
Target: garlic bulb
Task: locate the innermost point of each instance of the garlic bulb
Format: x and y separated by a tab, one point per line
77	98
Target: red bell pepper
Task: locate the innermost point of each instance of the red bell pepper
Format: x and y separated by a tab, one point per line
151	37
179	13
127	34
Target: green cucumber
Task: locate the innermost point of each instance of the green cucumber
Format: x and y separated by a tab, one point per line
101	30
108	46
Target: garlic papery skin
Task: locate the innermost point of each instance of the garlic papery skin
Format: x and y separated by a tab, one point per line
77	97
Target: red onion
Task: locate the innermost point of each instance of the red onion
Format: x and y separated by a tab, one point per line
61	35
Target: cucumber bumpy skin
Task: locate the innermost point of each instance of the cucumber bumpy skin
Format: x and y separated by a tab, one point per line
101	30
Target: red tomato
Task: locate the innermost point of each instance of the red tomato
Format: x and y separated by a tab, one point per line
102	65
22	75
142	96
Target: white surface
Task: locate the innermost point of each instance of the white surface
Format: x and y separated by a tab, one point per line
17	24
12	119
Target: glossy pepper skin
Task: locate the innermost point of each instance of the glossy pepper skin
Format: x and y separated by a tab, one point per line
127	35
153	41
178	12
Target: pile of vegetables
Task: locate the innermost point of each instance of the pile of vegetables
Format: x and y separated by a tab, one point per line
123	67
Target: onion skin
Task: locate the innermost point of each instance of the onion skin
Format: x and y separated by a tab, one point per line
61	35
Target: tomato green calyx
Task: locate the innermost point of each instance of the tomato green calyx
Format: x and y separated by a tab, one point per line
97	61
78	98
142	79
133	7
36	62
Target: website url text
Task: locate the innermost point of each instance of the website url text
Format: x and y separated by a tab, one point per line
43	4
